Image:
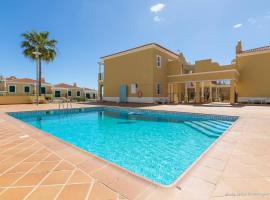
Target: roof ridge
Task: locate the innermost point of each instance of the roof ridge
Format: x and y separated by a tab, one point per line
263	48
137	47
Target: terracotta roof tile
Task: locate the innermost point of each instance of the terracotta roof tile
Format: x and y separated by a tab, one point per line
24	80
64	85
89	89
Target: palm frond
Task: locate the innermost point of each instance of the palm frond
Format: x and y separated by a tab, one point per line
39	41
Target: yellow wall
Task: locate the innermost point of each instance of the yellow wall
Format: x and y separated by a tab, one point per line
131	68
137	67
208	65
5	100
254	80
160	74
249	71
20	89
217	75
64	93
174	67
19	96
2	86
48	89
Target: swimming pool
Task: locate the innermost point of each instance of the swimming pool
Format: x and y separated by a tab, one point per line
156	145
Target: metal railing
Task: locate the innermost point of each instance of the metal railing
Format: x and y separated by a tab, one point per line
62	101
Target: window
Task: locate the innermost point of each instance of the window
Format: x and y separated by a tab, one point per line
43	90
78	93
26	89
134	87
158	60
69	93
57	93
12	88
87	95
158	89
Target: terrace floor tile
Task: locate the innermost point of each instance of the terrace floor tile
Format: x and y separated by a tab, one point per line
40	166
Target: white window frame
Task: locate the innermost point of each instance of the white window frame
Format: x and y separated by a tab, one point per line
158	88
77	93
9	88
133	88
25	87
158	61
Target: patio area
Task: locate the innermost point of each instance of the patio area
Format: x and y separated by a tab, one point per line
35	165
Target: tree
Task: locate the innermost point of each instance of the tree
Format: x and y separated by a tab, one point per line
39	42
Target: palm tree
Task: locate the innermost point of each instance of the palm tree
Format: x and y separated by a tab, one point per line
39	42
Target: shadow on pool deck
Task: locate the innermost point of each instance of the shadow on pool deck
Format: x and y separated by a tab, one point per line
135	105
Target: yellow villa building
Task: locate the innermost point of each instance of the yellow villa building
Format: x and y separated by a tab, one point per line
15	90
152	73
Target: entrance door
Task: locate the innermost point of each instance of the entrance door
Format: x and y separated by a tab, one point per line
123	94
87	95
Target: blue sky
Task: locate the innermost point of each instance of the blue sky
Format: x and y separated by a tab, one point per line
89	29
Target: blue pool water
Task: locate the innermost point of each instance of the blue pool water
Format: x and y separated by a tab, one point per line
159	146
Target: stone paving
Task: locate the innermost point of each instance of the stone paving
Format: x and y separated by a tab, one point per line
35	165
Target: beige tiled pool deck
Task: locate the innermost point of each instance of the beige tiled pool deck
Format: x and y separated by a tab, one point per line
34	165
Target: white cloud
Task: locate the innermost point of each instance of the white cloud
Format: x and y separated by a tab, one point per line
251	20
237	25
157	19
157	8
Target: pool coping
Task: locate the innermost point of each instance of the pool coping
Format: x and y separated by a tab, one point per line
175	182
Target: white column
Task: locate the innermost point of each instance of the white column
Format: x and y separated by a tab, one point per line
186	89
210	91
232	91
202	92
5	85
186	92
197	92
170	91
216	93
202	88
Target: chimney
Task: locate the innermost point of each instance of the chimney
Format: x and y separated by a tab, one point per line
238	48
74	84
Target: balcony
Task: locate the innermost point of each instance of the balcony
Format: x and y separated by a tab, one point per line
100	76
101	72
